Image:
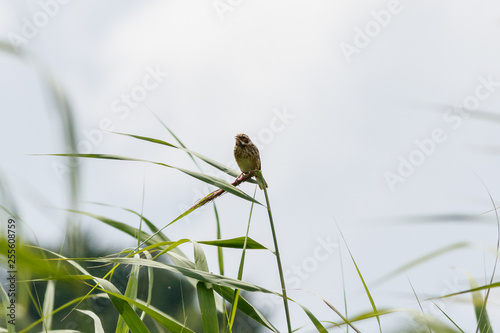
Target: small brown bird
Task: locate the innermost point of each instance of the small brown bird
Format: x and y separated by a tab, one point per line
247	155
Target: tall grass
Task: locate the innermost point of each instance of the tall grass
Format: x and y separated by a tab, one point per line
156	250
218	296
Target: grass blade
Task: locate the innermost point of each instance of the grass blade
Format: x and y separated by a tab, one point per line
134	232
150	224
237	243
130	292
65	114
126	312
176	138
336	311
277	253
367	291
48	304
97	321
208	308
150	283
314	320
176	255
215	181
484	325
448	317
190	273
245	307
205	159
418	301
485	287
220	253
482	318
240	269
420	260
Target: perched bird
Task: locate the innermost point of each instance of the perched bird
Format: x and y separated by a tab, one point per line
247	155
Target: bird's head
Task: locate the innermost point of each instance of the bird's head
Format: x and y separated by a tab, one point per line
242	139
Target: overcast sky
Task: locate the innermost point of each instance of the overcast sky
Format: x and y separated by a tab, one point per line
354	106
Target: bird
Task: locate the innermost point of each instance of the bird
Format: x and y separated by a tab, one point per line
247	155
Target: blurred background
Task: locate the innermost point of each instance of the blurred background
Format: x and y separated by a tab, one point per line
376	119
